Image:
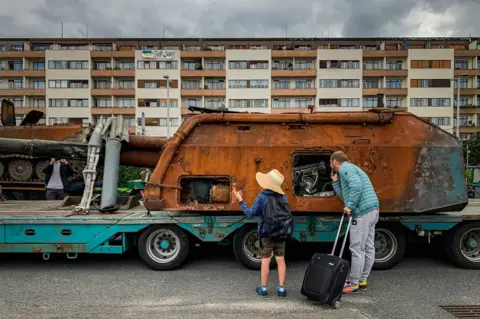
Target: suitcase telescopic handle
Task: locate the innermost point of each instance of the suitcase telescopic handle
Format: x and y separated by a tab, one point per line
338	235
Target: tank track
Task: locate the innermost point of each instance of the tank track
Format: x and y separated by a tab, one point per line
23	169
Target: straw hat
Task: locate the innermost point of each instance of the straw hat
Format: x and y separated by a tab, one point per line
272	181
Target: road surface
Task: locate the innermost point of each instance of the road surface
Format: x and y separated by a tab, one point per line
210	286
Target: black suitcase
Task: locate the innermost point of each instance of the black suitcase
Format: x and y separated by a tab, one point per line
326	274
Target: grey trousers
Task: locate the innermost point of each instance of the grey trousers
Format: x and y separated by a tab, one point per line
362	246
55	194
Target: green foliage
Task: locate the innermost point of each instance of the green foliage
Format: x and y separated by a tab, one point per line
473	144
128	173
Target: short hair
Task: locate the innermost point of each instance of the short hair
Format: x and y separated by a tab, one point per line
339	156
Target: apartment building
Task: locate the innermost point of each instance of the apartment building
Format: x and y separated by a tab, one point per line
79	80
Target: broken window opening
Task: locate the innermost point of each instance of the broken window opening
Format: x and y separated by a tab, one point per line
311	175
204	190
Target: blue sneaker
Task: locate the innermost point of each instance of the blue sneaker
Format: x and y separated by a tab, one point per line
262	291
282	292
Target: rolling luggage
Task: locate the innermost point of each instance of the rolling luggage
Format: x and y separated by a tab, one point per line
326	274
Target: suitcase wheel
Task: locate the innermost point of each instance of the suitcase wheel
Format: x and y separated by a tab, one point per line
336	304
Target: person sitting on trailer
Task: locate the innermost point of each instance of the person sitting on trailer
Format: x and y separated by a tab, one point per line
57	174
271	183
355	189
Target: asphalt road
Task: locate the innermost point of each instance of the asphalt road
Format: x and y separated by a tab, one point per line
212	286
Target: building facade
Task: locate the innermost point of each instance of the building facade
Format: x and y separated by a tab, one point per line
78	80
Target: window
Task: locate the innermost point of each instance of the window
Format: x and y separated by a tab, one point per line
197	190
394	102
431	64
394	65
102	66
57	120
102	84
168	65
102	102
303	47
213	103
68	102
126	65
339	83
164	65
39	84
38	65
17	101
303	103
78	103
237	84
461	64
162	121
464	121
126	102
281	103
191	84
241	103
73	84
16	47
370	101
126	84
333	64
40	103
15	84
282	65
63	64
463	101
304	84
435	83
440	121
214	65
248	65
3	48
215	84
258	84
346	102
19	119
192	48
371	84
304	65
463	83
193	102
171	103
394	83
151	84
311	173
15	65
215	48
103	47
191	65
73	47
372	65
281	84
434	102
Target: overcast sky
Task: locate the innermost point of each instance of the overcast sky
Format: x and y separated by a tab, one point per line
240	18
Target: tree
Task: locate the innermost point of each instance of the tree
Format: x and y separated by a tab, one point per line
473	145
128	173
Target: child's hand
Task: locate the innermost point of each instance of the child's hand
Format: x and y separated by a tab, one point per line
238	193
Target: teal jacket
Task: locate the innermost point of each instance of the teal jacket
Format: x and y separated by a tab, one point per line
355	189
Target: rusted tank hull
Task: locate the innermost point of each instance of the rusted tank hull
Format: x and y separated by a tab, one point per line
414	166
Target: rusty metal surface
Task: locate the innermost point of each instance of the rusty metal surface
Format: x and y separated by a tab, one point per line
463	311
414	166
71	133
140	158
146	142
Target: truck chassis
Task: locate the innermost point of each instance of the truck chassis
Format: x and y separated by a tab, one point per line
163	238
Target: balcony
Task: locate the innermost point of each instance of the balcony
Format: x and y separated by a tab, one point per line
113	54
203	92
385	72
386	91
466	91
294	73
294	92
469	129
22	91
466	53
385	53
294	53
113	110
19	73
202	54
200	73
113	91
26	110
116	72
22	54
467	109
467	72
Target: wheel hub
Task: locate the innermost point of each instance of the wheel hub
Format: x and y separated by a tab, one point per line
472	243
164	244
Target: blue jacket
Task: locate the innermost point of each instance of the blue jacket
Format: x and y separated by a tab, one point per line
355	189
258	207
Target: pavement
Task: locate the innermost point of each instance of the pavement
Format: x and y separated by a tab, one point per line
214	285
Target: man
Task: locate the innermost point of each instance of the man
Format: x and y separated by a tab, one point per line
271	183
57	173
353	186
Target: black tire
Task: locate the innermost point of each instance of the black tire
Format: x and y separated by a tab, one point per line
455	240
168	258
248	256
393	247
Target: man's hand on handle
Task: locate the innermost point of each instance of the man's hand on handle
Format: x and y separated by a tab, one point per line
347	210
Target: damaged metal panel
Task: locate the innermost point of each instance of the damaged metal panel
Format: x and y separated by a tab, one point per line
405	157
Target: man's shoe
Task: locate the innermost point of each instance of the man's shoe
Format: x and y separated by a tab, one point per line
352	289
262	291
363	285
347	283
282	292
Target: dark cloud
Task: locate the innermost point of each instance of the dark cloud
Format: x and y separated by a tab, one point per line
234	18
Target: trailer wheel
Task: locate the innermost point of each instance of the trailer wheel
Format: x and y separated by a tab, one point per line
390	246
163	247
247	249
463	245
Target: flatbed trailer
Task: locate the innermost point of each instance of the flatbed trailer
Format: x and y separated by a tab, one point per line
163	238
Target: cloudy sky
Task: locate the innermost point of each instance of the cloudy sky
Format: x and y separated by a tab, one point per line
239	18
